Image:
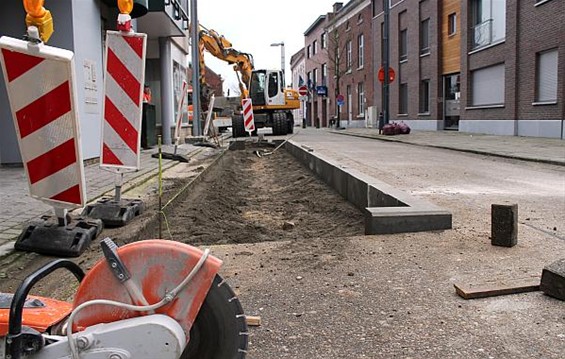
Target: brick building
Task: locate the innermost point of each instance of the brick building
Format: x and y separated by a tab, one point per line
316	65
484	66
350	69
298	71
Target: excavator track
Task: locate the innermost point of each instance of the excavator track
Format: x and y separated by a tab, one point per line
220	329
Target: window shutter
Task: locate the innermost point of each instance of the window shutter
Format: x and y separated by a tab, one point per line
488	86
547	76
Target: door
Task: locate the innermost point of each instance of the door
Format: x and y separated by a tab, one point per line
324	113
451	101
275	94
349	105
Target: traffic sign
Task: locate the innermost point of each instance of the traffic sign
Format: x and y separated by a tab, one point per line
42	95
248	119
303	90
123	87
391	74
340	99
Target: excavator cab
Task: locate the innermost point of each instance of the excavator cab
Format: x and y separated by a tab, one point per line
267	88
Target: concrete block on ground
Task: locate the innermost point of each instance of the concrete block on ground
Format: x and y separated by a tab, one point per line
504	225
389	220
553	279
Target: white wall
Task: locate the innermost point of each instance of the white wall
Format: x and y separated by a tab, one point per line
87	46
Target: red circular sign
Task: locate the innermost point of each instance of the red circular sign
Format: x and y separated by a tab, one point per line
340	99
391	74
303	90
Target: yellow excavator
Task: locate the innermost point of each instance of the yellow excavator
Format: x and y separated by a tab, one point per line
272	102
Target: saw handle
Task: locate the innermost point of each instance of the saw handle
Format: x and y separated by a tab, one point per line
14	340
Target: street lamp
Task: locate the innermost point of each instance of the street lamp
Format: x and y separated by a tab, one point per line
281	44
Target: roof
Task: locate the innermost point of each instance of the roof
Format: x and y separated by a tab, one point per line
315	24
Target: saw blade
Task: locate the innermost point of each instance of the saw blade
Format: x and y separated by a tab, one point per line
220	329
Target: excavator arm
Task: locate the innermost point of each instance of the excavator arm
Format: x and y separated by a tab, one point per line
222	49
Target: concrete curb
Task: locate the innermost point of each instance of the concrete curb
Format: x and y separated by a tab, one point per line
478	152
386	209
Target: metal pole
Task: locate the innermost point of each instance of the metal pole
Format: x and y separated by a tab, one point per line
386	64
194	27
282	62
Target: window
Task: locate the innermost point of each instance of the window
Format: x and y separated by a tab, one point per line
324	74
324	40
308	52
403	99
403	45
360	99
488	86
451	24
359	18
314	47
425	96
273	84
347	26
546	76
489	22
349	57
310	79
425	37
315	77
361	51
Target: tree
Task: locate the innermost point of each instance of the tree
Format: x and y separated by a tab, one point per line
338	64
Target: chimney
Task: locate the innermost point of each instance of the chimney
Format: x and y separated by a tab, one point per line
337	6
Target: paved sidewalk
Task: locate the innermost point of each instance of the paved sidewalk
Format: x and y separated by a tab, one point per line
18	207
546	150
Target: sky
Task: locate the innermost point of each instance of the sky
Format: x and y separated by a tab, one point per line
253	25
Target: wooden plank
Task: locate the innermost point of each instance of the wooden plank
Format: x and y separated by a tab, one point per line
253	321
493	289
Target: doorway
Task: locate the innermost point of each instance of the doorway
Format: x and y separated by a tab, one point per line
451	101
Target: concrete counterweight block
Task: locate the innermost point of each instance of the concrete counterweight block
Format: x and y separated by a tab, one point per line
553	279
504	225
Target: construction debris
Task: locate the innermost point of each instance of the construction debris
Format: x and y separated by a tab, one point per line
493	289
553	279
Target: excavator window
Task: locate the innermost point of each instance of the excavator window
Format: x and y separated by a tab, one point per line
257	89
273	84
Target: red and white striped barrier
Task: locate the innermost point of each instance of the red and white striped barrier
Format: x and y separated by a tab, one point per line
248	119
42	94
123	88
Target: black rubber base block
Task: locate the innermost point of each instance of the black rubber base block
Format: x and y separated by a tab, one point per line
112	213
47	237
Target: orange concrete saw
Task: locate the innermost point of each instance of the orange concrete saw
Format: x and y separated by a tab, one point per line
145	300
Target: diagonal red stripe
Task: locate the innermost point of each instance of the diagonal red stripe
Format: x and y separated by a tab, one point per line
44	110
108	157
71	195
136	43
18	64
121	125
125	79
51	161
